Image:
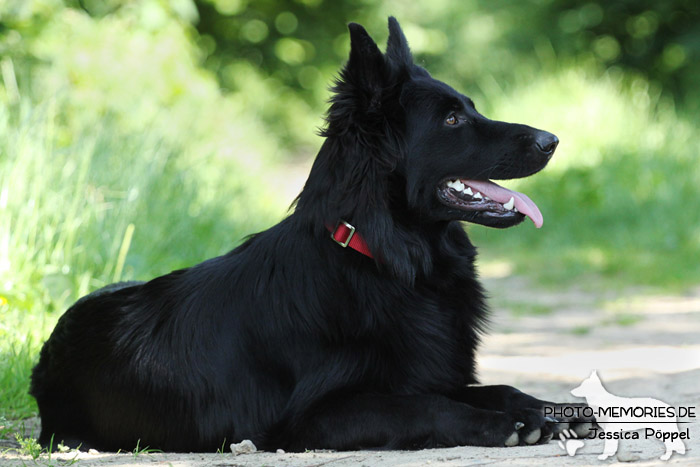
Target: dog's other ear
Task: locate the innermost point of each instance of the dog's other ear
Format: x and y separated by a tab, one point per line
397	51
365	67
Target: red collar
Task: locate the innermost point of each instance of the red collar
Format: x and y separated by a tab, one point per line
345	235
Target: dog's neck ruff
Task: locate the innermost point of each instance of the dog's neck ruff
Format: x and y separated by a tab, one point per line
345	235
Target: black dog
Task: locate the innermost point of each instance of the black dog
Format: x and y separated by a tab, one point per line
291	340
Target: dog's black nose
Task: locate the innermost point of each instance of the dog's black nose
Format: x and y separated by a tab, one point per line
546	142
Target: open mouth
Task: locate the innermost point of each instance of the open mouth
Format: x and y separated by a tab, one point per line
488	199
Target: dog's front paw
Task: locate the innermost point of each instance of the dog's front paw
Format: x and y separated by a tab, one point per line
529	427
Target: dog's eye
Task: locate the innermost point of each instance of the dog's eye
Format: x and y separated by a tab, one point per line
451	120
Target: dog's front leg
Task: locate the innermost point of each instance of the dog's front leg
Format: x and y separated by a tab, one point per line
500	397
509	399
373	421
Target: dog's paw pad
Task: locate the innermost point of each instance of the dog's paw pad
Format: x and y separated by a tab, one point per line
533	436
512	440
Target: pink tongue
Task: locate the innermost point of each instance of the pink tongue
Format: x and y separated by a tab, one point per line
502	195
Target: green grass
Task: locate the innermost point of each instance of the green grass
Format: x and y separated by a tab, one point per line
43	456
580	330
17	357
626	319
530	309
138	450
28	446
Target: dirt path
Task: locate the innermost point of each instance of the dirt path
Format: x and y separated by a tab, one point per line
545	343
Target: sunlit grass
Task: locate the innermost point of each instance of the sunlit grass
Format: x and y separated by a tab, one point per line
17	357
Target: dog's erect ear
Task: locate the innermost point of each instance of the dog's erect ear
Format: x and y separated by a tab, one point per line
594	375
357	93
365	66
397	51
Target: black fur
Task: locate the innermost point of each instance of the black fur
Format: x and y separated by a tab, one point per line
294	342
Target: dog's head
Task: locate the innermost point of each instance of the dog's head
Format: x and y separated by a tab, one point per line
441	152
405	153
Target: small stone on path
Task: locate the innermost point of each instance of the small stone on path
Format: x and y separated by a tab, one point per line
244	447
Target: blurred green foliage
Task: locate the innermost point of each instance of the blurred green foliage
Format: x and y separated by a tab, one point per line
279	56
298	42
139	136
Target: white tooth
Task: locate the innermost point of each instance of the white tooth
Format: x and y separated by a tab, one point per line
468	191
477	195
459	186
510	204
451	184
487	198
515	210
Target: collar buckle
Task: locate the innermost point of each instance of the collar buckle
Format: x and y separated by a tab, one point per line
349	230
